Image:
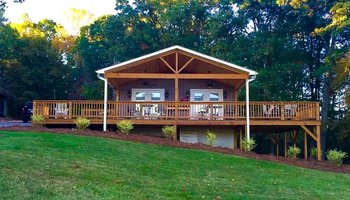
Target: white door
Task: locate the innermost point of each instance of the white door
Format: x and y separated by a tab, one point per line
204	110
147	95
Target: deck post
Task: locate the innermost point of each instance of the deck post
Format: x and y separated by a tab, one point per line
247	110
285	144
318	136
70	109
305	145
240	138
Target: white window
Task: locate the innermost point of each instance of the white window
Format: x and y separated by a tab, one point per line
206	95
147	94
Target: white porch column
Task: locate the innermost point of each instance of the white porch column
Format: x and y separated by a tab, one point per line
105	105
105	101
247	110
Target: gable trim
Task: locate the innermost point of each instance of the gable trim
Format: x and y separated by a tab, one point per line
171	49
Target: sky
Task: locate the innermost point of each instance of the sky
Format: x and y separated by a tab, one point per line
55	9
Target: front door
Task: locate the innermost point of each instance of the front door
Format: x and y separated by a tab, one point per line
206	110
147	95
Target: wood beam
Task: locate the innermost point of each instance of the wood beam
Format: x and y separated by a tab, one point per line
139	75
285	144
305	145
175	135
168	65
212	62
177	62
278	137
186	64
309	132
138	62
213	76
240	139
318	141
173	76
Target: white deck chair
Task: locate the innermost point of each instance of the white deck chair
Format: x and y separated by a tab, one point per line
268	110
61	110
290	110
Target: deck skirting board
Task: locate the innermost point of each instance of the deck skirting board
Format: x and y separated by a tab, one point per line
197	122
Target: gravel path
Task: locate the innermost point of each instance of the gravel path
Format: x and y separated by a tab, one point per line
10	123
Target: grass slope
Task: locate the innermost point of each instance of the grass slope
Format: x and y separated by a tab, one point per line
52	166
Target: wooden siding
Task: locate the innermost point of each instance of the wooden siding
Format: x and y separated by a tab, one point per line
169	85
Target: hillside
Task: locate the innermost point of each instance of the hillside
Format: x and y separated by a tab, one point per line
42	166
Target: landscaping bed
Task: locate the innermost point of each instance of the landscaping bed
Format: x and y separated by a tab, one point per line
311	163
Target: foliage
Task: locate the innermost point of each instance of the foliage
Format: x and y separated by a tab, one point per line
125	126
169	131
38	120
248	144
131	165
313	152
293	151
211	138
336	156
82	123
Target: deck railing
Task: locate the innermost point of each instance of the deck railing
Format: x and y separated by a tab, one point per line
51	109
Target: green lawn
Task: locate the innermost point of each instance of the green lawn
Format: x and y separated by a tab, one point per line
52	166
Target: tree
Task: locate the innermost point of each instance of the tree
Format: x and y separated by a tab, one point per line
36	69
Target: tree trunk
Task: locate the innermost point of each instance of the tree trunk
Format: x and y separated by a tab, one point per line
324	113
326	91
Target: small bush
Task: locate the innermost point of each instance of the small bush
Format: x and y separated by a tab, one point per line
211	138
38	120
125	126
248	145
336	156
82	123
313	152
169	131
293	151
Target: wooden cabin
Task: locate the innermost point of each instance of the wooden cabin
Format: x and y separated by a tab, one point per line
192	91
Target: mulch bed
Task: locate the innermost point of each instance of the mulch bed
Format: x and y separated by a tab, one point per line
311	164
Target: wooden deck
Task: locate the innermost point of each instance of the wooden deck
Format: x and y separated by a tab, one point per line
181	113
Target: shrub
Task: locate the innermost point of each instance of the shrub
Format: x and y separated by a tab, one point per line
336	156
293	151
211	138
82	123
38	120
169	131
125	126
248	145
313	152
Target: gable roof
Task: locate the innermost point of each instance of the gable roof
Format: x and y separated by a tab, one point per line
234	66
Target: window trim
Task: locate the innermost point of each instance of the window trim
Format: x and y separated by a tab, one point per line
206	93
147	92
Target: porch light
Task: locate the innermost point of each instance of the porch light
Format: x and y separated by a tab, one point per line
225	94
209	85
129	93
166	94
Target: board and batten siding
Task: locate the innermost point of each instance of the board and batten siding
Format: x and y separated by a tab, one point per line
169	86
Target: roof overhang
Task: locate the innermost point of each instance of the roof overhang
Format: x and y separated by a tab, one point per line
174	48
